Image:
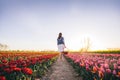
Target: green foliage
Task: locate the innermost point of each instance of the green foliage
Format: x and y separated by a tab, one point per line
106	51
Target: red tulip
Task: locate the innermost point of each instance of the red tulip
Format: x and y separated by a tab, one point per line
16	69
23	64
2	78
13	65
4	61
119	73
8	70
27	71
1	65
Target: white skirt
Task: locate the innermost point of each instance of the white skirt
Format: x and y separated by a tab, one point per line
61	47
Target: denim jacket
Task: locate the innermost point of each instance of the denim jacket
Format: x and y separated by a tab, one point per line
60	41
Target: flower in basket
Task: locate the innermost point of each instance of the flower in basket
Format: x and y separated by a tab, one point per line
65	52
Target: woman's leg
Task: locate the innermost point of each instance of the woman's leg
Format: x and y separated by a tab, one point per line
61	50
61	54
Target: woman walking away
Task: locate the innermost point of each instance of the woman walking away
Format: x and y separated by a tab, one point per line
60	44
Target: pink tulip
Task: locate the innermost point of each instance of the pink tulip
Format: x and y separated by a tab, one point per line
87	65
106	65
115	66
91	63
102	69
77	60
108	70
100	73
87	68
114	72
98	63
118	62
102	65
119	67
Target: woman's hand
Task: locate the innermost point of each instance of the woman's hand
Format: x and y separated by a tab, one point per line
64	46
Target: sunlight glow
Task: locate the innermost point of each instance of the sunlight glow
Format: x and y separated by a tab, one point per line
78	43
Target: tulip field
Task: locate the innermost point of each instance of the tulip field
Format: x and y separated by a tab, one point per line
26	65
96	66
16	65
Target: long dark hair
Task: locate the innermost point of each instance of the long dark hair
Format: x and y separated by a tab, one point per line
60	35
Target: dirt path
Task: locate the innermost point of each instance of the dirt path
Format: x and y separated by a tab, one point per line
61	70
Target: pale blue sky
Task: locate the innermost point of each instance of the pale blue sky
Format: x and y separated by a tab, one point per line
35	24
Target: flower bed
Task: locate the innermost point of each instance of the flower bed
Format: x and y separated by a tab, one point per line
96	66
24	65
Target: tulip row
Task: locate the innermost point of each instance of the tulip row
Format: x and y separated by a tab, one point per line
25	65
96	66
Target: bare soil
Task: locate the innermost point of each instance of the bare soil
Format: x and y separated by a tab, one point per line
61	70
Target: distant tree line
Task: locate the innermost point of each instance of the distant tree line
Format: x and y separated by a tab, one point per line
3	46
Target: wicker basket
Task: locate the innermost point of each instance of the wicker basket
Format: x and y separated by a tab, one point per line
65	52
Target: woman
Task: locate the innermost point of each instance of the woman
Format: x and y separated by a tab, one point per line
61	44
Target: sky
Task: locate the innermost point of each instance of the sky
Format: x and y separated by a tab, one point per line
35	24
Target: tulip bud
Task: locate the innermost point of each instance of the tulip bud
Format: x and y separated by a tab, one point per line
114	72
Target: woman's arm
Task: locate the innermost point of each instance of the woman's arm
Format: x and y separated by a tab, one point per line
64	42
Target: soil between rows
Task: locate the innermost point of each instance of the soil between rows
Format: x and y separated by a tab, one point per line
61	70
